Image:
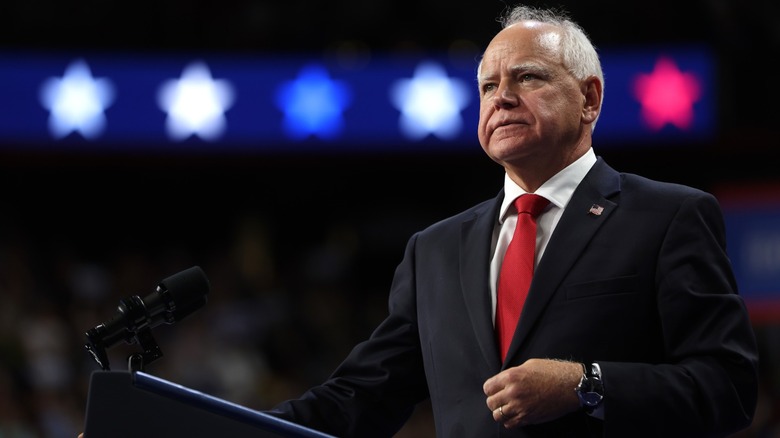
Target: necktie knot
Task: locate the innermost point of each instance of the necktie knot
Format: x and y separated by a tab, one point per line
531	204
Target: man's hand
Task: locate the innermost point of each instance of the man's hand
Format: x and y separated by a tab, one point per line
537	391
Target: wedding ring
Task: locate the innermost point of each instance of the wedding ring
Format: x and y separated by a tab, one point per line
501	411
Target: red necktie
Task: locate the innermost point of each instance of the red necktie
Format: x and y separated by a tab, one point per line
517	269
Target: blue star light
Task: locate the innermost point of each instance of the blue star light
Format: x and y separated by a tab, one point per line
313	104
195	103
76	101
430	103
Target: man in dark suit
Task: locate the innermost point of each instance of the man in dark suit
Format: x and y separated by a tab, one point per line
632	325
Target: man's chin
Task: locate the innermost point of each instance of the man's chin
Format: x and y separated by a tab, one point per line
507	146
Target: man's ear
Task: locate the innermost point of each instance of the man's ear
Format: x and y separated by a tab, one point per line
592	91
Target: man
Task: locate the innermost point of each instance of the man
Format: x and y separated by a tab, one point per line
632	325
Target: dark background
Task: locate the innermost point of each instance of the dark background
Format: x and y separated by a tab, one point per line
300	248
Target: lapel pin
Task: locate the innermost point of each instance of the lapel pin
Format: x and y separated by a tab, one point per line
596	210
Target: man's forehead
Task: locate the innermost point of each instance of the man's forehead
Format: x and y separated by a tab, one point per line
528	32
531	38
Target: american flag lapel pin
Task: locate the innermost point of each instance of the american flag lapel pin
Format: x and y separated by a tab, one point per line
596	210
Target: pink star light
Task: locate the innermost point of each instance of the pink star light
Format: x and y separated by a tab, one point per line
667	95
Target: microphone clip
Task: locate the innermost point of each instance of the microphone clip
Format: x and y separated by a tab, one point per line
151	351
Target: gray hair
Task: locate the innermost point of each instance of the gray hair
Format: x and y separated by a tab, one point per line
578	53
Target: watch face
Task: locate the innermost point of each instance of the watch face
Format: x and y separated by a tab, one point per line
591	398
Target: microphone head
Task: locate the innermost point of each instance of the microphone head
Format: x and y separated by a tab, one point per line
186	291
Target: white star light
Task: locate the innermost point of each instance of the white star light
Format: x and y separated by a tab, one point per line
76	101
195	103
430	102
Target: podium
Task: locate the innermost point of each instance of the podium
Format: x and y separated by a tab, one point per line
133	404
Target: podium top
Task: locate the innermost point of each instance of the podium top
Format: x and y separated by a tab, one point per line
162	408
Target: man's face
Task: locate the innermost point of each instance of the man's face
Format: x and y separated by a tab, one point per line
530	105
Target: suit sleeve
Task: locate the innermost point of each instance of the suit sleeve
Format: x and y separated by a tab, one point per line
708	380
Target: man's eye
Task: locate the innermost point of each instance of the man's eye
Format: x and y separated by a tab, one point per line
486	88
533	76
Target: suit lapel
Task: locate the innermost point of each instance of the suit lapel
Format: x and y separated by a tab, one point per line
474	260
587	210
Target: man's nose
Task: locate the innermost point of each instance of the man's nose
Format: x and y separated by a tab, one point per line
505	97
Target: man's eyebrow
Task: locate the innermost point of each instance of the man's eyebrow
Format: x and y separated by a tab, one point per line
515	69
526	66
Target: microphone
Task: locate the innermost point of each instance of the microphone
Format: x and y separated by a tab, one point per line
175	298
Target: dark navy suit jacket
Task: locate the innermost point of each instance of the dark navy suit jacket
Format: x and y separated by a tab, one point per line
645	288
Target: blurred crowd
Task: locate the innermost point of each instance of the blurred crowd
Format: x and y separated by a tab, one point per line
266	334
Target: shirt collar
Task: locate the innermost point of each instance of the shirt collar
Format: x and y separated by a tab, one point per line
558	189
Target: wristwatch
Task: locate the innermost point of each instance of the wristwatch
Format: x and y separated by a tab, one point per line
590	389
